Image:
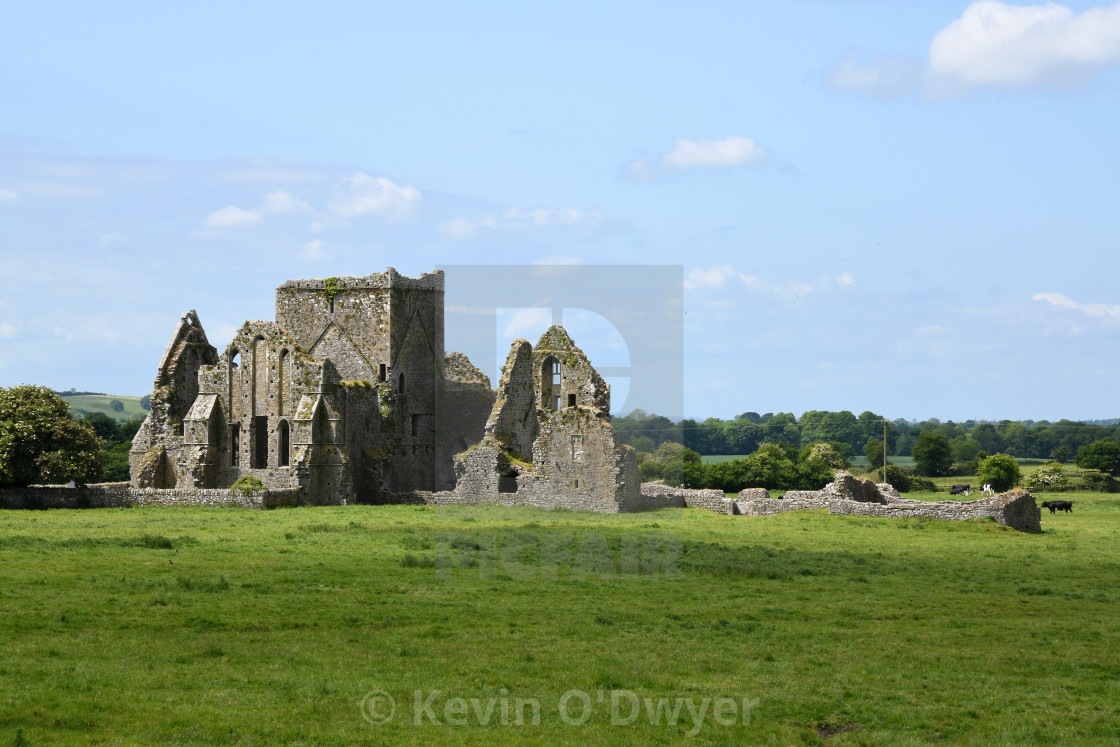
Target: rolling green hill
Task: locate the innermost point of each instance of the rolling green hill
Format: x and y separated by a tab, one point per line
80	404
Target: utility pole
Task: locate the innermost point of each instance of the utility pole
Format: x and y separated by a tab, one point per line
884	450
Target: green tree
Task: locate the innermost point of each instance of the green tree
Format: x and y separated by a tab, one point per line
41	443
1000	471
116	405
873	450
771	467
932	455
1102	455
670	463
146	402
1060	454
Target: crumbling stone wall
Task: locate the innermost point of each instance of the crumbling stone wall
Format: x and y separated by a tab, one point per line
156	443
1016	509
580	384
536	453
124	495
513	419
849	495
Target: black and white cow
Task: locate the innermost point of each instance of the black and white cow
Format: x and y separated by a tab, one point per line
960	490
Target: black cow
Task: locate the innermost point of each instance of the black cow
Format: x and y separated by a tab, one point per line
960	490
1066	506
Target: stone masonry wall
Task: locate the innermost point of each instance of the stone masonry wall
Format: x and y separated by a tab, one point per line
123	495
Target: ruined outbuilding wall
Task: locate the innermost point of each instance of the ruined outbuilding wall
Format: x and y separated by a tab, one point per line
123	495
578	378
1016	509
513	419
849	495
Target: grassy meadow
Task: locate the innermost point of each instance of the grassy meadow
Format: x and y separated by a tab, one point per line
94	403
188	626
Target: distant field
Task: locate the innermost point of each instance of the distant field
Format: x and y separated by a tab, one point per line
223	626
92	403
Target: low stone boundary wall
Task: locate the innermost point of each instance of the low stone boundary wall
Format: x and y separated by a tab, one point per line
794	500
656	495
1016	509
123	495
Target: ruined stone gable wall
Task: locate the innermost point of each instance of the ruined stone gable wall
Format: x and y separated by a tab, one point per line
358	307
513	419
578	376
173	393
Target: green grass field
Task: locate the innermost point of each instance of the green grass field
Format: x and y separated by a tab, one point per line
192	627
100	403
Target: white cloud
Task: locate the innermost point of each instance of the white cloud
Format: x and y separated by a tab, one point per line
1090	309
996	44
686	155
8	196
529	324
727	277
113	238
361	194
263	170
522	219
716	277
992	45
284	202
929	330
314	251
728	153
232	217
7	330
464	228
857	71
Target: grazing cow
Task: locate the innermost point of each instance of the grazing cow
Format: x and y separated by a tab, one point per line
960	490
1066	506
988	489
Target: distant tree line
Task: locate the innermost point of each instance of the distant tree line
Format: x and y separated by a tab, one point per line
742	435
116	441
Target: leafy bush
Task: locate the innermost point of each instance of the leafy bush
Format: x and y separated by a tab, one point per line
116	405
1001	471
1101	482
898	478
248	482
1048	477
922	484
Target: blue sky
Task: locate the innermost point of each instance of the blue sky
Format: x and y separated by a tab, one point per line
906	207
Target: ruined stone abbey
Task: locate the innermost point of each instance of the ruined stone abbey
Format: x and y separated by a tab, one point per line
349	397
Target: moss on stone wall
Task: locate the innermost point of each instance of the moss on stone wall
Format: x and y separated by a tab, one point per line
332	287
